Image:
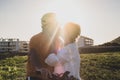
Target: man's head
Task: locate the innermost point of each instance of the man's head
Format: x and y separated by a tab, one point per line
49	22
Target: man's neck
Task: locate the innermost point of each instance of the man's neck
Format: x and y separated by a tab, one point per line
48	34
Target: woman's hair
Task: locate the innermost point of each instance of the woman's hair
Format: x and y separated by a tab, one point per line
72	30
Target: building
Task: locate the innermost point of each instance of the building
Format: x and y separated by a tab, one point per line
85	41
23	47
13	45
9	45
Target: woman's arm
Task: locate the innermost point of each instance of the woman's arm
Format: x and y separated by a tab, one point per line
63	55
52	59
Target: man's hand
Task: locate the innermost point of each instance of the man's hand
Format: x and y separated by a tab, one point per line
44	74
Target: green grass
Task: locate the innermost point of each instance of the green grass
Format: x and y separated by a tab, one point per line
102	66
13	68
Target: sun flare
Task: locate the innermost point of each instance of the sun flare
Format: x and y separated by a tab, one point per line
64	10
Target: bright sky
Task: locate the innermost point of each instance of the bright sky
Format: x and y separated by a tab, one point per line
99	19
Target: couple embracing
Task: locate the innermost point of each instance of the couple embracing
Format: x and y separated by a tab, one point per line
52	57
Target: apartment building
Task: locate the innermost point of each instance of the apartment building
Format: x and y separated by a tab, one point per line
85	41
9	45
23	47
13	45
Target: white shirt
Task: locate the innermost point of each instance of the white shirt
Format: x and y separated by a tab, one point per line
69	58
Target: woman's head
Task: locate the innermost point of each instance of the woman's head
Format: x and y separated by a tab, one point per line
71	31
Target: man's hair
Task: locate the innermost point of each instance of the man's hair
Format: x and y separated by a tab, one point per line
50	25
47	19
73	30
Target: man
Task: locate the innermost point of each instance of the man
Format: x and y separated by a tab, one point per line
40	46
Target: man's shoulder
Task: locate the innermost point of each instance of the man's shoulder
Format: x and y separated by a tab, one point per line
36	36
40	37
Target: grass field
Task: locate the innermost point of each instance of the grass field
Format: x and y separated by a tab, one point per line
94	66
13	68
103	66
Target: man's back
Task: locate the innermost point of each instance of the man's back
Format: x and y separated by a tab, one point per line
39	49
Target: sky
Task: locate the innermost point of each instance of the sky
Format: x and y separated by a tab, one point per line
98	19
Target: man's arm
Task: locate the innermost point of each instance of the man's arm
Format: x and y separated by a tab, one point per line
34	59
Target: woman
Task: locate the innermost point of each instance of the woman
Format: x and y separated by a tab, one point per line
68	56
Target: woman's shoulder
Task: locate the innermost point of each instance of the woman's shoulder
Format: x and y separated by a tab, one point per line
70	45
67	47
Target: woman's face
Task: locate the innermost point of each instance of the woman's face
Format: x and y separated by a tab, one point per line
66	36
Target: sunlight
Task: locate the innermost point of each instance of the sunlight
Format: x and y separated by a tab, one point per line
66	11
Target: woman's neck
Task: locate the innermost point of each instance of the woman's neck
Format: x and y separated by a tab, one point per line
68	42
